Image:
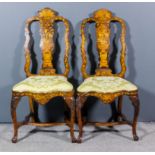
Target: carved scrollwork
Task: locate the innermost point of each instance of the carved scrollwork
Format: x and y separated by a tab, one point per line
108	97
43	98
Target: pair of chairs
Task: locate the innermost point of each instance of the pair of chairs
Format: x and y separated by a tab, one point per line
48	84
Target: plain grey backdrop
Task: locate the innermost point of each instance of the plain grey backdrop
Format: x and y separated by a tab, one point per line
140	20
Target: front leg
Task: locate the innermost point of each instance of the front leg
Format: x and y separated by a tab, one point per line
14	103
71	104
136	103
79	104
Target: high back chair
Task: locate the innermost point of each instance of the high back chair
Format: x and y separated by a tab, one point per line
45	85
105	85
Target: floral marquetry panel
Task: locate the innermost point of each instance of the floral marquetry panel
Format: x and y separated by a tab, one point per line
47	19
102	19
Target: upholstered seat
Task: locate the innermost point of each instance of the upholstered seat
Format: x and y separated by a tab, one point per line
43	84
106	84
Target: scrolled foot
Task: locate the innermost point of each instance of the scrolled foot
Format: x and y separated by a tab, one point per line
135	138
14	140
79	140
74	140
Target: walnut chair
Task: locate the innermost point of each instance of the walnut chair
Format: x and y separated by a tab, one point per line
104	84
47	84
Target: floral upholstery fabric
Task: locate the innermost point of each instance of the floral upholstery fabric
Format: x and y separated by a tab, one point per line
43	84
106	84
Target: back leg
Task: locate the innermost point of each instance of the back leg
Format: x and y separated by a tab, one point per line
31	109
119	108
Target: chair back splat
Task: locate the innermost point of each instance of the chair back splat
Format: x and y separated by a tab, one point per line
46	18
102	19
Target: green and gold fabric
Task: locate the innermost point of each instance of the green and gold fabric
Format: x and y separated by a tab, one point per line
43	84
106	84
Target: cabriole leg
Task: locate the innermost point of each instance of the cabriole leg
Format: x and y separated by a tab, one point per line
71	104
79	104
136	103
14	103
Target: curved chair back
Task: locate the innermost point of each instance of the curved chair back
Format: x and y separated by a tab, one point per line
103	18
46	18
